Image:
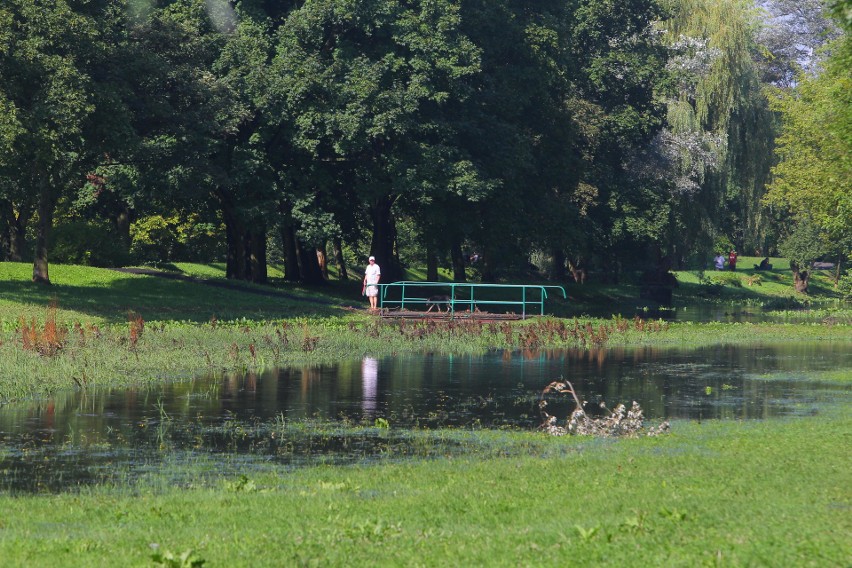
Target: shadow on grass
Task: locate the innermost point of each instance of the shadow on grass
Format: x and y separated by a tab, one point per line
174	298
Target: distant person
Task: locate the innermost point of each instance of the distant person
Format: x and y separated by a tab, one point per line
719	261
764	264
732	260
371	277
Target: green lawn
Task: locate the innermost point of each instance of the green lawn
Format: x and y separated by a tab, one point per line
770	493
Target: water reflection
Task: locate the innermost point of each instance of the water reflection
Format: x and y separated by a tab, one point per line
369	380
80	437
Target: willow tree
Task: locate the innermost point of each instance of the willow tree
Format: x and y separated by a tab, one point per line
719	127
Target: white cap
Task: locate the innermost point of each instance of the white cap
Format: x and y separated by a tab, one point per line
372	258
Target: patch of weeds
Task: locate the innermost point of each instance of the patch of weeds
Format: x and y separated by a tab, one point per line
47	340
242	485
186	559
728	279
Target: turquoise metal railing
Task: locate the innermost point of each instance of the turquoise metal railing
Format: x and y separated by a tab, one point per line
462	295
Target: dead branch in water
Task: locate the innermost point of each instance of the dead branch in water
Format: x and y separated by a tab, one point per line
619	422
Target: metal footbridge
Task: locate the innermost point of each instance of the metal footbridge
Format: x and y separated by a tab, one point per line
448	300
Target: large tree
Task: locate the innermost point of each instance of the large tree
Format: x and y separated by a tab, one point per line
45	78
363	88
813	177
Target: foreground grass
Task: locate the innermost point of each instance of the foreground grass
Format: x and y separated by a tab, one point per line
723	493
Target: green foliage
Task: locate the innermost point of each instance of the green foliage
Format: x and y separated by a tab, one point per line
157	239
844	285
728	279
186	559
88	244
813	177
804	245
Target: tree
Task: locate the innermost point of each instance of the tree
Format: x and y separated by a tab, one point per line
47	87
719	130
363	89
813	177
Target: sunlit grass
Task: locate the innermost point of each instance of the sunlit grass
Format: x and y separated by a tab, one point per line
690	498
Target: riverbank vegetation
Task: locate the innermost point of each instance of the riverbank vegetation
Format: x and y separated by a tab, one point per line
103	327
686	498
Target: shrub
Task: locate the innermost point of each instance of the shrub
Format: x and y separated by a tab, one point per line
157	239
87	243
844	285
728	279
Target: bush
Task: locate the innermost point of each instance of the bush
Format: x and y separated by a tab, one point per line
844	285
157	239
728	279
87	243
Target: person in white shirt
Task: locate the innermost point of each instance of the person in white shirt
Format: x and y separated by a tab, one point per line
371	278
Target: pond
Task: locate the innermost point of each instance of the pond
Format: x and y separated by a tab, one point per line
356	410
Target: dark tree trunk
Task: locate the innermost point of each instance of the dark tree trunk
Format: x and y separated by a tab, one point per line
458	262
13	229
338	259
308	265
431	264
557	268
235	234
257	256
322	260
384	236
800	278
7	216
578	270
122	226
46	205
291	256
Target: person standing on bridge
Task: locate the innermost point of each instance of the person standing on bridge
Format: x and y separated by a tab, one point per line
371	277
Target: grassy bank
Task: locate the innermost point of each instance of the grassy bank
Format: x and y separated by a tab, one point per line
112	328
714	494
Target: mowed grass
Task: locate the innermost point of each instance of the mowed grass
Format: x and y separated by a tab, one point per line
773	493
102	296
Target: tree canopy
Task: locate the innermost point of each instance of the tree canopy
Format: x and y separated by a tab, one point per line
584	134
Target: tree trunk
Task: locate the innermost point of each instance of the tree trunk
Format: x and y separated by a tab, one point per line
431	264
800	278
256	251
46	205
18	239
235	234
7	216
382	245
322	260
557	268
291	256
13	228
308	265
338	259
122	226
458	262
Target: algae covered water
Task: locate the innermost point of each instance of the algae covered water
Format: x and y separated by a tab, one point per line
357	410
